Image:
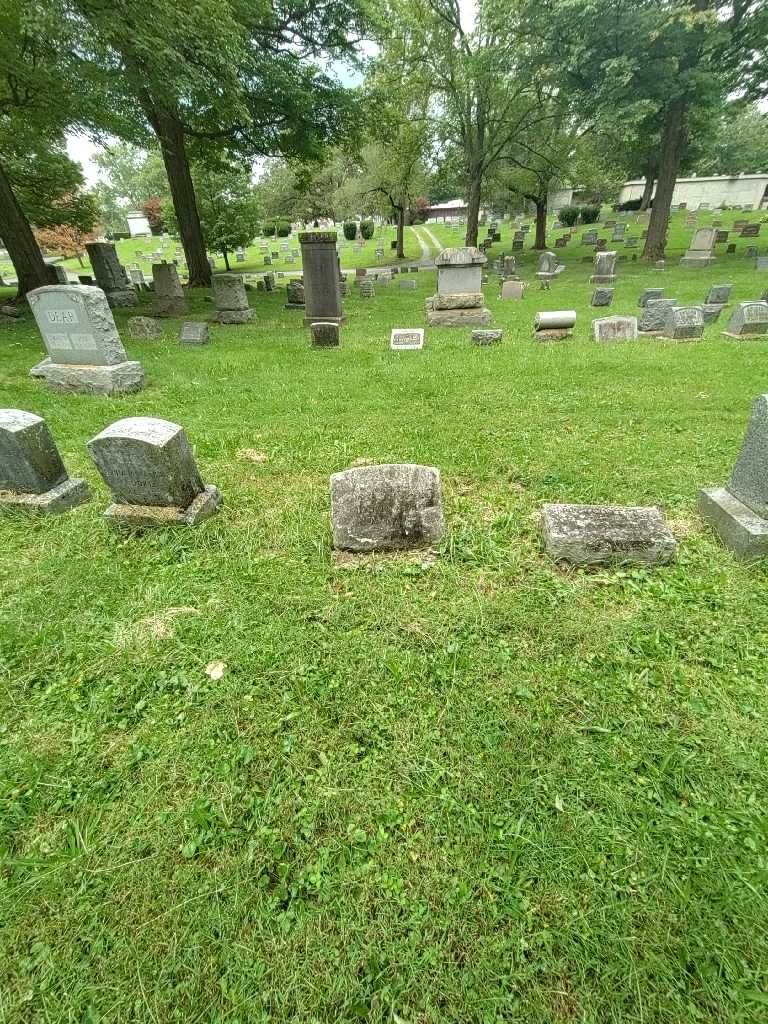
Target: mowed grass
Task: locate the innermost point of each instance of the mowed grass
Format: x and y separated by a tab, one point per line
466	788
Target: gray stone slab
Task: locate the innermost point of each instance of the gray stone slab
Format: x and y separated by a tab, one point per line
458	317
406	338
229	292
117	379
110	275
407	286
387	507
655	315
683	323
145	328
147	461
77	325
29	459
615	328
459	300
487	337
236	316
719	294
602	297
607	535
169	297
749	319
195	332
650	294
711	312
325	335
141	517
64	496
749	480
737	525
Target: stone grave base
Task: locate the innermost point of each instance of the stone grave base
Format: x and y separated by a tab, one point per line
486	337
747	336
235	316
458	317
602	279
459	300
697	261
309	320
117	379
141	517
60	498
606	535
122	299
553	334
737	526
665	337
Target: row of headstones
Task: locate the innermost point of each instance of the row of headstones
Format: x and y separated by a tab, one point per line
151	471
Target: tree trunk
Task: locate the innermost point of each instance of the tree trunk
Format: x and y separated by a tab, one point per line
31	269
226	259
541	223
170	133
673	142
473	209
650	181
400	233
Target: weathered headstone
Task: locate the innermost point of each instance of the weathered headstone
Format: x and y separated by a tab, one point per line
144	328
749	319
492	337
136	275
607	535
194	332
148	465
720	237
589	237
655	315
32	475
602	297
459	298
750	231
711	312
407	286
699	253
322	294
295	294
231	299
546	268
605	268
554	325
385	508
512	289
110	275
325	335
738	512
406	338
683	323
367	291
650	294
719	294
615	328
85	353
169	299
618	232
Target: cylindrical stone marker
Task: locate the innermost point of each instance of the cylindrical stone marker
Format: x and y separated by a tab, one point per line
556	320
322	294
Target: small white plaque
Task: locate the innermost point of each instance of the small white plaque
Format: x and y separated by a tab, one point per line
407	338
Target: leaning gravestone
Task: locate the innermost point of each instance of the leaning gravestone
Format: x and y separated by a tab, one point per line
718	294
700	252
605	268
602	297
32	475
649	294
748	320
195	332
169	297
110	275
615	328
711	312
683	323
325	335
149	467
144	328
85	353
406	338
231	299
607	535
385	508
738	512
655	315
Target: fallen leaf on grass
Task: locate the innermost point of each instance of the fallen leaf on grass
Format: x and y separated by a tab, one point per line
215	669
253	455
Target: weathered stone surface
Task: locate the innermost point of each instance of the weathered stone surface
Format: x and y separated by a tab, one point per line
743	532
606	535
462	300
77	325
699	253
719	294
325	335
295	295
749	480
229	292
615	328
169	297
602	297
388	507
144	327
460	271
512	290
141	517
32	474
487	337
684	323
458	317
605	268
64	496
195	332
650	295
147	461
711	313
235	316
655	315
407	286
110	275
322	292
749	319
117	379
367	291
406	338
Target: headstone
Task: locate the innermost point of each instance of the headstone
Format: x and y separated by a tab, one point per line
719	294
110	275
631	243
618	233
240	256
750	231
481	337
738	512
607	535
144	328
366	288
512	289
148	465
749	319
322	294
459	298
731	249
231	299
615	328
711	312
85	353
60	273
325	335
517	244
384	508
554	325
602	297
32	475
407	286
406	338
546	268
721	236
750	253
589	238
169	297
137	276
295	294
684	323
655	315
605	268
195	332
699	253
509	266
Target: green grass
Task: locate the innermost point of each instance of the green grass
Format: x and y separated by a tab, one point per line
474	788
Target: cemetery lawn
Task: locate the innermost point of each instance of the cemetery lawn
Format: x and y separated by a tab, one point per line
243	780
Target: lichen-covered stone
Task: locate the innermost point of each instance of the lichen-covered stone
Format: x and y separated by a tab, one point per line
117	379
606	534
144	327
32	475
387	507
463	300
169	295
458	317
487	337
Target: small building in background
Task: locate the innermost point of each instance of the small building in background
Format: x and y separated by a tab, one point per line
138	224
451	210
